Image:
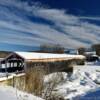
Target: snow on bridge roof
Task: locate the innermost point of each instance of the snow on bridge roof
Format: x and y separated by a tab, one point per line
35	55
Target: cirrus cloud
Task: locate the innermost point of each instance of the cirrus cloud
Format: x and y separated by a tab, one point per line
32	25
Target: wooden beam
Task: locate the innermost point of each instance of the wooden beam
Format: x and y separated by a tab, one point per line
52	59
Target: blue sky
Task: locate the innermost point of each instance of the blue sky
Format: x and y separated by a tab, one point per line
26	24
77	7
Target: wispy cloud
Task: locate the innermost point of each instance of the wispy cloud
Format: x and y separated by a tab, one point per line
19	26
90	18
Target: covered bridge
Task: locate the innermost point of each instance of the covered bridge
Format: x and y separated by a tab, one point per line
20	61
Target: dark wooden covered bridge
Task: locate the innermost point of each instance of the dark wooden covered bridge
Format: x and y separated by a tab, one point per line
21	61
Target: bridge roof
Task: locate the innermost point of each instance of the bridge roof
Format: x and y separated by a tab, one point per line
35	55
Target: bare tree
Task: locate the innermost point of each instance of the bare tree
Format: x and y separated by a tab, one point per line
96	47
81	50
51	85
51	48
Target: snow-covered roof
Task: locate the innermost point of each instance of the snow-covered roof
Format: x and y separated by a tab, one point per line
91	53
35	55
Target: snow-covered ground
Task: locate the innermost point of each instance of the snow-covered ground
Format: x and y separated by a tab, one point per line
10	93
79	83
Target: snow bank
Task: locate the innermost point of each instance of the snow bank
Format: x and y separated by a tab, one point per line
52	76
9	93
72	86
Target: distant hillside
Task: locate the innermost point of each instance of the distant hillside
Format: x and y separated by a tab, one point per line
4	54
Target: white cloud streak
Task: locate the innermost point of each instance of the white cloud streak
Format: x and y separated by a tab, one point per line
90	18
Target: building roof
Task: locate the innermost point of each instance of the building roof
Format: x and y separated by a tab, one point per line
35	55
91	53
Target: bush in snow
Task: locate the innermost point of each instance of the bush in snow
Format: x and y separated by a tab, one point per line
34	80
